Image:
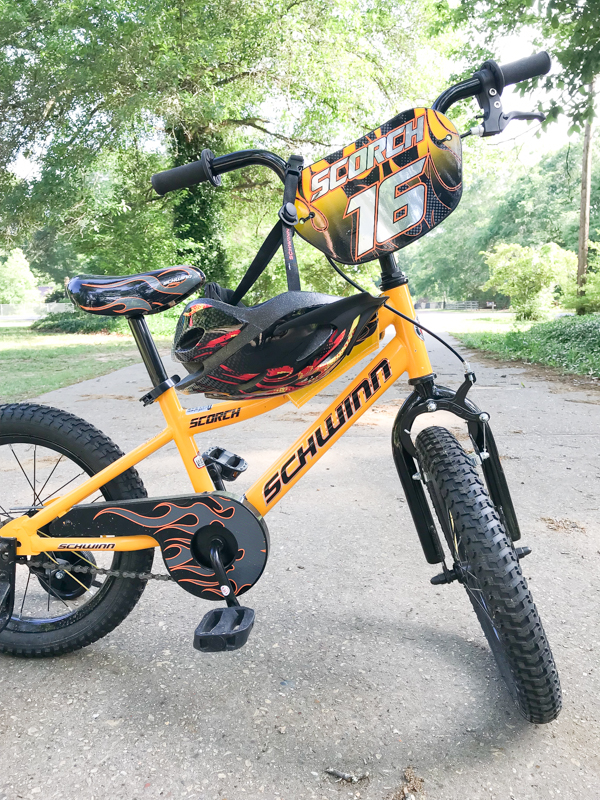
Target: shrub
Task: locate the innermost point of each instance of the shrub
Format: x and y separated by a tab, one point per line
569	343
17	284
589	301
161	325
529	275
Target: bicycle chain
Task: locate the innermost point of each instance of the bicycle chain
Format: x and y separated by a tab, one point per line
111	573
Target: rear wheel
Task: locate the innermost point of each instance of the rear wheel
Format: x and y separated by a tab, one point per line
44	453
487	565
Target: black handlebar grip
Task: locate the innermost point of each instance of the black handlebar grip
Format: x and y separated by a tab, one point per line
186	176
526	68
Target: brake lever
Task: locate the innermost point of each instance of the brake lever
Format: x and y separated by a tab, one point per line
489	99
522	115
502	122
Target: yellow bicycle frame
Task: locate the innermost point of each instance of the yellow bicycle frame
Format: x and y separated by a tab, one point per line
406	352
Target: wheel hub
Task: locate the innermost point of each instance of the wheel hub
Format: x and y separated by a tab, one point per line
60	581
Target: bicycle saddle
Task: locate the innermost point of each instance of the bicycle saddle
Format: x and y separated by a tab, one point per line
133	295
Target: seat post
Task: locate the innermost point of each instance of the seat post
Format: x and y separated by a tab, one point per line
147	347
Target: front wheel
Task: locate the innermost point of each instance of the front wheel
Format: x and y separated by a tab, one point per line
486	563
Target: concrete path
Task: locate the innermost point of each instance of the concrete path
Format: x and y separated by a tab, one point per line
356	662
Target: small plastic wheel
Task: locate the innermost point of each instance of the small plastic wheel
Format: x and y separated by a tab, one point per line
44	453
488	567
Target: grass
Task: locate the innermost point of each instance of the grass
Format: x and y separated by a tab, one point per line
473	322
571	344
32	363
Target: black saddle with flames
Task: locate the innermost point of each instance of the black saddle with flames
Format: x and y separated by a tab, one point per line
134	295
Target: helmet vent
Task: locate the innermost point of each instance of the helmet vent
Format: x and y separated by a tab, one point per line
315	341
190	339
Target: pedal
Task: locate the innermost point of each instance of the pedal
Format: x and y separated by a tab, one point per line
228	464
8	559
224	629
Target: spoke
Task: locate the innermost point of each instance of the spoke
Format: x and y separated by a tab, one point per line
63	486
51	473
95	500
25	594
83	558
5	512
53	593
25	474
480	604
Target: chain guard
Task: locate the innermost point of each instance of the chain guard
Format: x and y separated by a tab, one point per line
184	527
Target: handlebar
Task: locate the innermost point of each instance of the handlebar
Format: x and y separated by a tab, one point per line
209	167
515	72
525	68
187	175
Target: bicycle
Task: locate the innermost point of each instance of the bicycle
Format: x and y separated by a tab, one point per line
70	571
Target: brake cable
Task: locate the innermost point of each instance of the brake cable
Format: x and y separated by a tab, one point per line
415	322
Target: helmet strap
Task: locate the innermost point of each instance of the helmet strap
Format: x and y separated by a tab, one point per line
281	234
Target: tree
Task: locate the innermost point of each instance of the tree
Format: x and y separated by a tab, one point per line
504	201
529	275
584	213
93	92
17	284
198	212
570	29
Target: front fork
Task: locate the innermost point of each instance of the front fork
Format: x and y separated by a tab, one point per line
426	398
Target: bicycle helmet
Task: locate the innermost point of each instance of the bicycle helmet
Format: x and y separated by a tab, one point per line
276	347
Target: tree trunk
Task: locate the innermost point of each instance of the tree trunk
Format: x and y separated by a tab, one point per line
584	212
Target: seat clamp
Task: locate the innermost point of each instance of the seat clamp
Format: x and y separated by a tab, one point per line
153	395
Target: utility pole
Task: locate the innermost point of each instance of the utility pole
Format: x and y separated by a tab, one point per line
584	212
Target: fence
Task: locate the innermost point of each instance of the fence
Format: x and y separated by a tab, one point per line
463	305
451	305
29	311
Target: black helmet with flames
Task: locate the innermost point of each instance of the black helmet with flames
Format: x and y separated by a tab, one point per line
273	348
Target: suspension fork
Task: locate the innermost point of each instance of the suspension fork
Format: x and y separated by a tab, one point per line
426	398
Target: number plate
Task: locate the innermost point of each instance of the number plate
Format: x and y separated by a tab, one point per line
383	191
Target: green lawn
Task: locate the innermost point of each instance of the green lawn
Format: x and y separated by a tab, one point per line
571	344
32	363
499	321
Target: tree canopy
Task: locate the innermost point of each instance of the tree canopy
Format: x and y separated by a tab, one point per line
569	29
99	95
17	283
96	95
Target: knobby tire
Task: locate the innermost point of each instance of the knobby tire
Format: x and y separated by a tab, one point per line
491	574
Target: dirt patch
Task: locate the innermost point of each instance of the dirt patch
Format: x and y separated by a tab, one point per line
412	787
563	525
85	397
